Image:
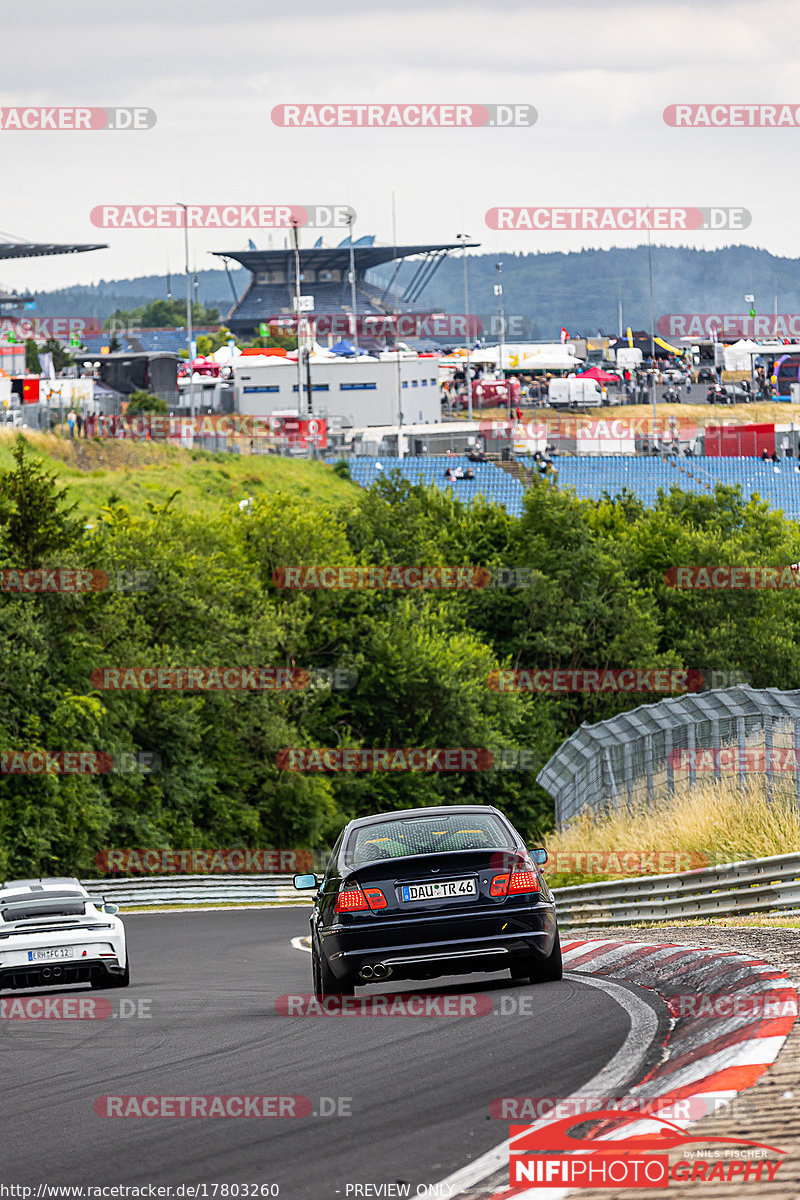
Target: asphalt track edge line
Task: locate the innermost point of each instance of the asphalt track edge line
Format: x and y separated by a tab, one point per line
625	1064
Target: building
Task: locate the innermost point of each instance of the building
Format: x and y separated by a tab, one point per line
325	278
349	393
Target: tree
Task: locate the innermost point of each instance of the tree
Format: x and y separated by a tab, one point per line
275	339
61	358
32	364
145	402
35	519
208	343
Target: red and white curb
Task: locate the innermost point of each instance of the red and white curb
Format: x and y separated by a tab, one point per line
703	1055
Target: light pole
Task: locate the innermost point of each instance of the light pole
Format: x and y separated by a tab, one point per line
464	238
189	337
751	301
498	291
351	216
652	334
296	239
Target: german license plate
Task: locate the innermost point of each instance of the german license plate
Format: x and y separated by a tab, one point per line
446	890
47	955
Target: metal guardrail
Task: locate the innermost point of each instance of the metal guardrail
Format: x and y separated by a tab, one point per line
759	885
164	890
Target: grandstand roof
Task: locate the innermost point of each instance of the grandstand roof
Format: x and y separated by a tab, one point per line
329	257
19	249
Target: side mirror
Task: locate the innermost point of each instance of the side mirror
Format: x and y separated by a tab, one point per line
111	909
539	856
304	882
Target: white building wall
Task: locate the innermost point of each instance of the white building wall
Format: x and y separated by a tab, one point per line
360	393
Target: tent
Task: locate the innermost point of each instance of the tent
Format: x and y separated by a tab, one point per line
599	374
347	349
739	356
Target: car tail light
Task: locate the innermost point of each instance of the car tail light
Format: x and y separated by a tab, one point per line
523	881
499	886
350	899
375	898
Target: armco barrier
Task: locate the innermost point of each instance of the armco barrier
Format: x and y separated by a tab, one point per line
163	890
759	885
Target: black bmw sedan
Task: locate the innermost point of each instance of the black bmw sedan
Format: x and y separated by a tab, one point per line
426	892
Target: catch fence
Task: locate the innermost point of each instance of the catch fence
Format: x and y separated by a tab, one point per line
644	756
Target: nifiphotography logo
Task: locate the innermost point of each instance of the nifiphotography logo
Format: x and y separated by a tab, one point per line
550	1156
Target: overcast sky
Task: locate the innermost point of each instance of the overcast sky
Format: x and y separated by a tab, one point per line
599	76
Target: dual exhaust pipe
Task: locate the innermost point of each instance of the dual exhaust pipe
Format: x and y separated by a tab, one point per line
56	972
379	971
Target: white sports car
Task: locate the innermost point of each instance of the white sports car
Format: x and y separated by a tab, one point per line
53	932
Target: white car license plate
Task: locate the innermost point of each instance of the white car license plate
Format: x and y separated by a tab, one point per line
46	955
440	891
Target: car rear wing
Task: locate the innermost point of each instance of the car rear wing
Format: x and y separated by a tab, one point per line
54	900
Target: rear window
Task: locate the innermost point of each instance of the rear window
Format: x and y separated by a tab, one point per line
404	837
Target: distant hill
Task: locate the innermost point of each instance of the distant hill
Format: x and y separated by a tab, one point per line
580	290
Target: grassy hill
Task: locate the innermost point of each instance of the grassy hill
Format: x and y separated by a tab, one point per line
139	474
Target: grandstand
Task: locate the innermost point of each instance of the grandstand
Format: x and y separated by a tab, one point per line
590	476
490	481
324	274
149	341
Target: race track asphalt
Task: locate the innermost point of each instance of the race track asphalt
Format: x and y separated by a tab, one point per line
419	1088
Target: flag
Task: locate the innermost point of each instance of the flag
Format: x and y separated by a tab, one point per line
564	335
630	336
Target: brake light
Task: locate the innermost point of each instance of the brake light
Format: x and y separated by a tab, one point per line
523	881
499	886
375	898
350	899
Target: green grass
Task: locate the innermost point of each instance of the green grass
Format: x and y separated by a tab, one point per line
138	473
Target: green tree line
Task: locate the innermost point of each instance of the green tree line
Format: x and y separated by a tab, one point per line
205	597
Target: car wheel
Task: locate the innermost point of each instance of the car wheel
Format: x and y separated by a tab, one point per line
552	969
325	982
115	981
